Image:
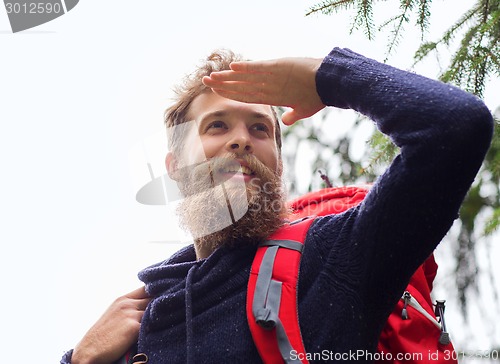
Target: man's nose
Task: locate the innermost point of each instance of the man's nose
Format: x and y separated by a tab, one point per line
240	141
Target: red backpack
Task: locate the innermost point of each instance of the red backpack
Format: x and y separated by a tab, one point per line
413	332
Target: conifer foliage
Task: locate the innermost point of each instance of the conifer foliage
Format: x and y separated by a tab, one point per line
477	57
475	36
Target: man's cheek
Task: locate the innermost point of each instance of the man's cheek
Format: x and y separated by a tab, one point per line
192	146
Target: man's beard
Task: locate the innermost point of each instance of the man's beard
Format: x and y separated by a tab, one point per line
231	213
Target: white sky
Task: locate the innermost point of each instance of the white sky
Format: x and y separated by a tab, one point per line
77	96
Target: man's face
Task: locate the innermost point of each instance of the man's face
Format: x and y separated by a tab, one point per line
223	126
229	171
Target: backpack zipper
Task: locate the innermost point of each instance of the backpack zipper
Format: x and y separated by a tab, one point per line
408	299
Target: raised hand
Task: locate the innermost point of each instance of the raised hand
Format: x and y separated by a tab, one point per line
283	82
115	332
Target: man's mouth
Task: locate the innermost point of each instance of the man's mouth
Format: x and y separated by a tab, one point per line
235	171
236	168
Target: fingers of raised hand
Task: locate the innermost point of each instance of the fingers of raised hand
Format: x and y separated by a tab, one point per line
242	97
233	76
289	117
295	114
255	66
245	77
236	86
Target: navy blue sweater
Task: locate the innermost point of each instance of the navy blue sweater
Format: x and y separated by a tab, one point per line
355	265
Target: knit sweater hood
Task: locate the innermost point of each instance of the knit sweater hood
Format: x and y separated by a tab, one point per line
185	288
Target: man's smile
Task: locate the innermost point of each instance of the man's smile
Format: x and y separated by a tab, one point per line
236	170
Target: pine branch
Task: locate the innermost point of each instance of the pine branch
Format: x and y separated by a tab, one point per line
363	19
449	34
382	151
428	47
461	62
493	222
492	165
475	61
424	13
406	6
327	7
367	15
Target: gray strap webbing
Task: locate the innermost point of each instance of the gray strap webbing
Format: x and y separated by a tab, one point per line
267	297
272	306
284	345
262	313
289	244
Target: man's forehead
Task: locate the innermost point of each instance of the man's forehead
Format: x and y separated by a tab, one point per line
209	104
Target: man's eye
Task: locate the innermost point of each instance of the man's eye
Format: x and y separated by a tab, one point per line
261	127
217	125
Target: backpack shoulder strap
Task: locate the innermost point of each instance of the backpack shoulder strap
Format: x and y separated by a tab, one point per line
272	309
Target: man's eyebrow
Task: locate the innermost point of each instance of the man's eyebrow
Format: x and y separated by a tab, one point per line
217	114
224	113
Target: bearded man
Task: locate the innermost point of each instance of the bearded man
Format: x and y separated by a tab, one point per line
225	155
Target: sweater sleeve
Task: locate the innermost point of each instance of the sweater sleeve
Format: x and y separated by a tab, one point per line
443	134
66	359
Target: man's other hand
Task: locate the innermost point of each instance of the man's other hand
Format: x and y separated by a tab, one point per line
115	332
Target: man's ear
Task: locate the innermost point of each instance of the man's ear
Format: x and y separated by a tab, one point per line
172	166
